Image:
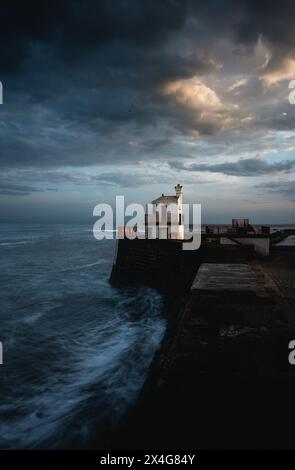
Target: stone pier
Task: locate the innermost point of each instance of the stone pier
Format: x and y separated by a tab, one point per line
222	377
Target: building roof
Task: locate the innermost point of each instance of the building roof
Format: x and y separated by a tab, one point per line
165	200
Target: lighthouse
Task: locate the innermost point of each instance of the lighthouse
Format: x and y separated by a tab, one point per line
166	218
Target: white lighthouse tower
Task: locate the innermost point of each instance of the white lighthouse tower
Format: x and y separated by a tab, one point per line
167	216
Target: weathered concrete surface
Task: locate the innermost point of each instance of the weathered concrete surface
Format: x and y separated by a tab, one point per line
231	293
217	278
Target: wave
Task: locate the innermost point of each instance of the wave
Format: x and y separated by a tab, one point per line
83	266
48	272
78	349
96	375
24	242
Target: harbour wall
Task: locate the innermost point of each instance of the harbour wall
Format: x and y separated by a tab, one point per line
163	264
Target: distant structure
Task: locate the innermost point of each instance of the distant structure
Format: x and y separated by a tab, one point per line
242	226
241	232
166	220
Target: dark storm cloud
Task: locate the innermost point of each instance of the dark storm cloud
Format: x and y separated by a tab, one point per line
92	65
284	188
243	167
11	189
87	75
272	19
75	27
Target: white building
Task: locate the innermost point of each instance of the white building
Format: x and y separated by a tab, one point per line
164	217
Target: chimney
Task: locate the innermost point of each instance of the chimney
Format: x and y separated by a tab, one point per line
179	191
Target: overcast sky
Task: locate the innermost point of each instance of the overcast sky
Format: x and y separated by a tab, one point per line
121	97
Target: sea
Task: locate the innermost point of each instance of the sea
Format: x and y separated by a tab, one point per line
76	350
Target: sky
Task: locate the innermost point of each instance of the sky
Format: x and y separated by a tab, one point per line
130	97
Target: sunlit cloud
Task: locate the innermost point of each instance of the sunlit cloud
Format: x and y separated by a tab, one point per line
285	71
192	93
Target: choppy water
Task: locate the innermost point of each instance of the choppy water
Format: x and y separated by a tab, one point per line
76	350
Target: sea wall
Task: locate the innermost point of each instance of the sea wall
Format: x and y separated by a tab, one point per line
221	378
163	264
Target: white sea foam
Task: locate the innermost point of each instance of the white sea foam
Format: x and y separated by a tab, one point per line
77	349
24	242
83	266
